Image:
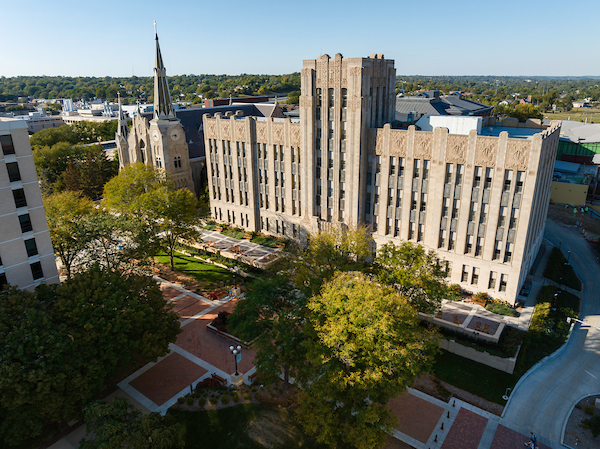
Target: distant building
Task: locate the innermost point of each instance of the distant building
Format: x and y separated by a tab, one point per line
26	254
410	109
478	199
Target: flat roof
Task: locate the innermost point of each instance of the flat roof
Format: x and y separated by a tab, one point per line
515	133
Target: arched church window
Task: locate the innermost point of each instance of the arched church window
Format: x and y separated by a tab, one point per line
177	162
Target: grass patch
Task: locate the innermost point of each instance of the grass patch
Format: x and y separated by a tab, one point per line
206	273
266	240
559	272
241	427
500	309
222	260
235	233
482	380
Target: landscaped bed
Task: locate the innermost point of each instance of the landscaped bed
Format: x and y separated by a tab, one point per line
207	275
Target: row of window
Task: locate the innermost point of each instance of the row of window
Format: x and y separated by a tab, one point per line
474	278
36	271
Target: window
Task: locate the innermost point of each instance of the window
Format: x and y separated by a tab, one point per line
503	282
344	98
25	222
452	241
31	247
449	168
496	255
465	274
177	163
459	174
478	247
7	145
508	252
425	169
19	196
13	172
36	270
417	164
475	277
488	178
492	281
477	181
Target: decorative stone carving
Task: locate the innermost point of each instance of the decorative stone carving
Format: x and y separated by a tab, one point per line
398	143
261	132
456	149
422	146
225	130
211	128
277	132
355	103
356	71
306	72
306	102
379	142
295	134
240	130
485	152
517	154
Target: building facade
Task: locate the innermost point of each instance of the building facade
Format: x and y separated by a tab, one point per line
26	253
160	141
480	201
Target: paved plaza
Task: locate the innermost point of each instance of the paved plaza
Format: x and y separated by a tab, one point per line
243	250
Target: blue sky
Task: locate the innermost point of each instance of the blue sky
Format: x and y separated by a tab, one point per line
426	37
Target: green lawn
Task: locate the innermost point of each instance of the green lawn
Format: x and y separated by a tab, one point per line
593	115
204	272
232	428
481	380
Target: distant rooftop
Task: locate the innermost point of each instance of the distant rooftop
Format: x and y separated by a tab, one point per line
515	133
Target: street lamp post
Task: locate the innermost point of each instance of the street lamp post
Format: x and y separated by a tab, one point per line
568	257
234	270
235	351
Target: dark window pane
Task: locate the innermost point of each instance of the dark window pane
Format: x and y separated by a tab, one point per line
7	145
20	200
3	281
31	247
25	222
36	270
13	172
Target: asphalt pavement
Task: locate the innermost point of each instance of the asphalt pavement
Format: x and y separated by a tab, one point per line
542	401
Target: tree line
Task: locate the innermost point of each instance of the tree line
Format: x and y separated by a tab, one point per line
183	87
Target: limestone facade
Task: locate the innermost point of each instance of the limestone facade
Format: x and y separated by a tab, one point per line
26	253
480	202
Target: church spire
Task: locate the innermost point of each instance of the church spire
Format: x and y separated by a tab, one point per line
163	107
123	129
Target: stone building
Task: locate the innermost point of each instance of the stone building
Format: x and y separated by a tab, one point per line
480	201
26	253
160	141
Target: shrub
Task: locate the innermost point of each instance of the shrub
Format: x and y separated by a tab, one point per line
225	399
220	322
190	400
180	400
500	309
593	424
235	397
454	292
588	409
213	400
246	396
483	296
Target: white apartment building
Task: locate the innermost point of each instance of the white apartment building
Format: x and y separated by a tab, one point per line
26	254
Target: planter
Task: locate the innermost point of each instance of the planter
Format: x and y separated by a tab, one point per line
233	338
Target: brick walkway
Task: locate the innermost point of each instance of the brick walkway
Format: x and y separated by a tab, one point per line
466	431
417	417
506	438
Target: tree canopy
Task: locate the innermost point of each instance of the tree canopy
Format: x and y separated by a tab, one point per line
418	274
366	347
61	343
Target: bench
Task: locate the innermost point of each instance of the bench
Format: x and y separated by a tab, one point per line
478	326
253	376
280	245
456	320
218	228
486	328
219	379
478	301
247	236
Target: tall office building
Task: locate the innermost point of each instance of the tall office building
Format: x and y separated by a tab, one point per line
479	200
26	254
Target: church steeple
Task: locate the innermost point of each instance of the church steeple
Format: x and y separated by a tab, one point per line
123	129
163	107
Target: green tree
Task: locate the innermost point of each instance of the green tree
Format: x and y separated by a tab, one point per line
52	162
275	311
62	342
122	193
65	212
418	275
524	111
294	97
330	250
171	214
366	348
117	424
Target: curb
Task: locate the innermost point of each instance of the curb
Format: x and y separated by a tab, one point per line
564	428
545	360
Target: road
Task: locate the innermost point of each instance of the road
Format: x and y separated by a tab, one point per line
541	403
